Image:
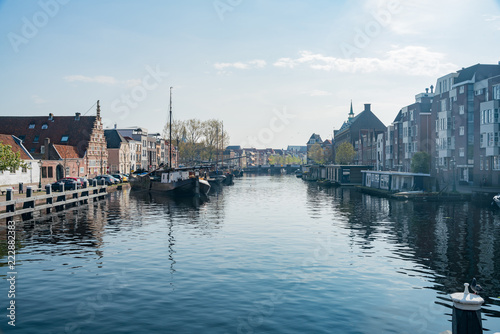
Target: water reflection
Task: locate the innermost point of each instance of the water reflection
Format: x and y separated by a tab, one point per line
450	242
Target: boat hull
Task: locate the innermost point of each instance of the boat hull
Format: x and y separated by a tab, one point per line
189	187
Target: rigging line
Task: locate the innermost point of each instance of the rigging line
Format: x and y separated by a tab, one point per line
90	108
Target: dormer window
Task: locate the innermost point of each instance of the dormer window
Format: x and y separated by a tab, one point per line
64	139
32	126
44	126
36	139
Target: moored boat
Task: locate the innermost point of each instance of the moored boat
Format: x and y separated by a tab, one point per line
174	182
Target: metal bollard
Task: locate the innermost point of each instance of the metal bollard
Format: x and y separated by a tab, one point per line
9	197
466	317
48	191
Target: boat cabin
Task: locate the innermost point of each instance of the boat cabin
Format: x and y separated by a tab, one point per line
397	181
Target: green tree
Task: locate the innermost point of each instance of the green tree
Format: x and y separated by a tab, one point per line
10	160
317	154
420	163
345	154
198	140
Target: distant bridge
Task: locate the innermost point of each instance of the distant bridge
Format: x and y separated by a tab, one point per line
272	169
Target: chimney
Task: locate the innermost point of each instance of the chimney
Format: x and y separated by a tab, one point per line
367	107
98	110
77	116
46	144
51	117
115	126
426	90
432	89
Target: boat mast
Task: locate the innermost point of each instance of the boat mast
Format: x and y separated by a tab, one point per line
222	149
217	147
170	131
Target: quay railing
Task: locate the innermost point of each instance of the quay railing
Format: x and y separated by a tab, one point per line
51	200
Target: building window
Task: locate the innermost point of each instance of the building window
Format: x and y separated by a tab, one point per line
481	140
496	163
443	105
35	140
461	109
462	152
49	171
64	139
479	92
462	130
21	138
462	89
32	125
32	150
44	172
496	92
487	164
44	126
42	149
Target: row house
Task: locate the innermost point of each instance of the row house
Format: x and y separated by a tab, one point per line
119	157
139	136
408	134
465	114
63	145
313	140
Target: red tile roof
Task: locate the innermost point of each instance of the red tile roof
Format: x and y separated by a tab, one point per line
67	152
16	147
78	131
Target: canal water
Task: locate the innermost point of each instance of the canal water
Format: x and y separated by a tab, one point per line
271	254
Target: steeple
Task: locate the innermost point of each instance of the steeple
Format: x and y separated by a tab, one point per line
351	113
98	110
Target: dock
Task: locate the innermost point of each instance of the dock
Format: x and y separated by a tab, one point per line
14	206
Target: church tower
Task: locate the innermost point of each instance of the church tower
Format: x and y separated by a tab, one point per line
351	113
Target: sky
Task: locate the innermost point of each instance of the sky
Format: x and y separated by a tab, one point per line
273	71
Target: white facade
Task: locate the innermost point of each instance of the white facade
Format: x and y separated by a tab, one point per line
28	176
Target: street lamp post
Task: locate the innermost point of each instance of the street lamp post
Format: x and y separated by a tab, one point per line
40	176
78	167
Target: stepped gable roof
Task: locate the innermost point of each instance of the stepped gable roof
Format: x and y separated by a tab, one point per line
477	73
33	130
16	146
66	152
113	138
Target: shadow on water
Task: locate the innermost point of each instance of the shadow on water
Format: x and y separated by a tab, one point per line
450	242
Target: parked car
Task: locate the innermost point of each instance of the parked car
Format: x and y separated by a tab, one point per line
68	182
120	177
108	179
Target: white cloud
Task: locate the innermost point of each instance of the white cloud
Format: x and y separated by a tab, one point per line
410	60
38	100
257	63
102	79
